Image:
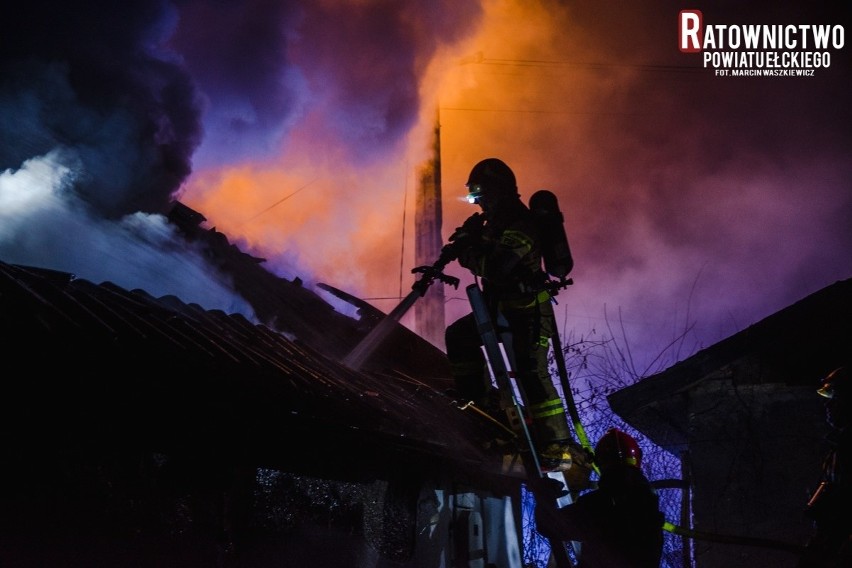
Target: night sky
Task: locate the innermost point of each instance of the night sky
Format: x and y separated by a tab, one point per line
692	201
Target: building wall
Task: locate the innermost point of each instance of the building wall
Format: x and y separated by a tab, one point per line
755	452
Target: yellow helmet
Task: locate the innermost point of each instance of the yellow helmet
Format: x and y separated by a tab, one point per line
836	383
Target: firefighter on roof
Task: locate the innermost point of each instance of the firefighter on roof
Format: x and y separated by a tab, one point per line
502	246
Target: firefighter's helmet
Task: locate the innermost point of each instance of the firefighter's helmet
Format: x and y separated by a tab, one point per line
836	384
616	447
490	176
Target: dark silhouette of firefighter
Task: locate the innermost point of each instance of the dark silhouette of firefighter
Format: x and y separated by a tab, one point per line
503	247
830	506
619	524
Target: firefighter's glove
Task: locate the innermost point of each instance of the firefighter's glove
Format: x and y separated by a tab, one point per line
466	240
546	489
469	233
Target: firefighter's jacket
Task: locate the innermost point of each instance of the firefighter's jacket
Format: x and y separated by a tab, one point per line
619	524
507	256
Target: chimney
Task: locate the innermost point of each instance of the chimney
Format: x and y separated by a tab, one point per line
429	310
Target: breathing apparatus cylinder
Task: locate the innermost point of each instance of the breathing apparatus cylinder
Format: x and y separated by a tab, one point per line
558	261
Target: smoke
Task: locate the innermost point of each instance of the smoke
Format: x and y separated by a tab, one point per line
44	223
123	93
691	201
327	112
98	124
89	76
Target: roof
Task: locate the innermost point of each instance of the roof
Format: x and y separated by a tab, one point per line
795	346
99	366
291	308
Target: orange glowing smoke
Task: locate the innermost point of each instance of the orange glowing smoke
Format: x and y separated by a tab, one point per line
340	223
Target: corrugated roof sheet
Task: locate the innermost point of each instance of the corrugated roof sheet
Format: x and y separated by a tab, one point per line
98	365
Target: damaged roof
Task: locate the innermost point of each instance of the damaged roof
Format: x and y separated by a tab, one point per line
99	366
